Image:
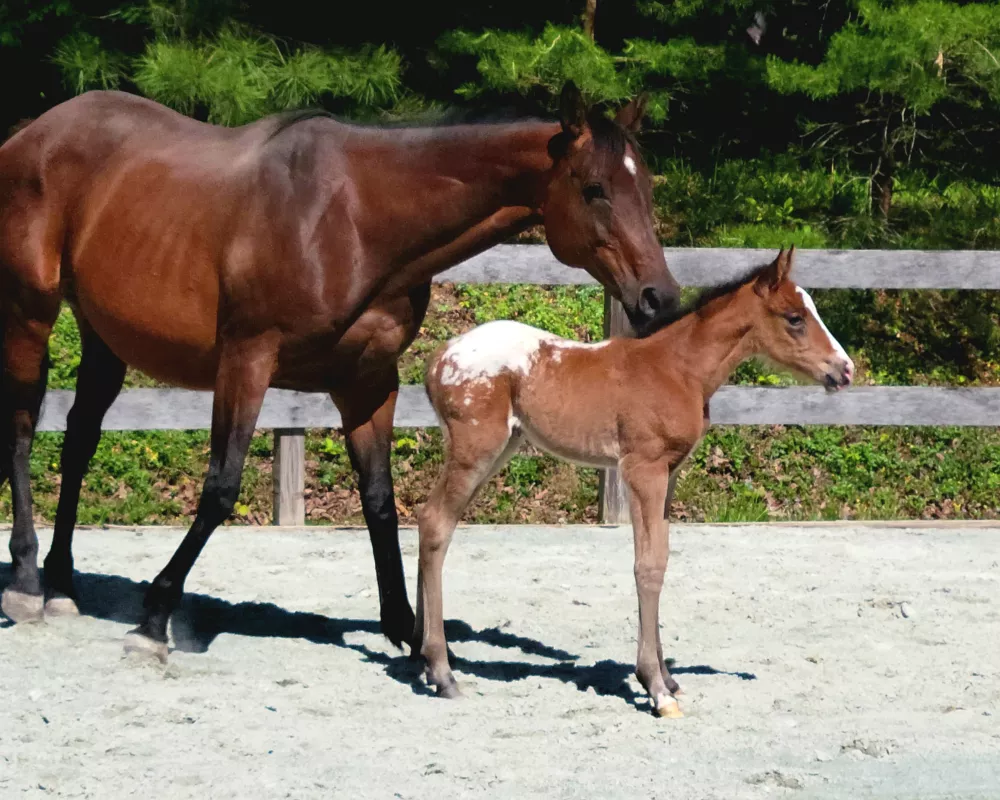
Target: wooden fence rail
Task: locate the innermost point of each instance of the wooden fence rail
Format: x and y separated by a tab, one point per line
291	413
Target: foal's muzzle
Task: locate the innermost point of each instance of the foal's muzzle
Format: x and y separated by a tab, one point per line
838	375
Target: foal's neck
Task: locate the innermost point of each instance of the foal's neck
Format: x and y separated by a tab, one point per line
708	344
441	195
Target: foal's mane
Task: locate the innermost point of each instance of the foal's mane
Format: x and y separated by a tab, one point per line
706	296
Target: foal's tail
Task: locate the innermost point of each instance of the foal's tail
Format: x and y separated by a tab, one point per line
431	386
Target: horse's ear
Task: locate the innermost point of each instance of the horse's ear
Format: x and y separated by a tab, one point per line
572	110
630	116
770	278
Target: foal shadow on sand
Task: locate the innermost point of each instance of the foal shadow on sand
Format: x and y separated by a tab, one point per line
201	618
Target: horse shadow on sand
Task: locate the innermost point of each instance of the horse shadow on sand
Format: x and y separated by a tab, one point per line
201	618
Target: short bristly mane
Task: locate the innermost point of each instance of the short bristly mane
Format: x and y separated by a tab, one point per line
706	296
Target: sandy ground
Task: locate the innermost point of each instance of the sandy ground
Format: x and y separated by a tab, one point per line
817	662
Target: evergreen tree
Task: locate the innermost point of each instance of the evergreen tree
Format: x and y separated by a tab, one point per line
910	74
202	63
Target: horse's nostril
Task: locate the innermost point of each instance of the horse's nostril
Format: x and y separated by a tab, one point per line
649	301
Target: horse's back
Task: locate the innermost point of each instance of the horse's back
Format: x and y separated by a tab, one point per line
124	207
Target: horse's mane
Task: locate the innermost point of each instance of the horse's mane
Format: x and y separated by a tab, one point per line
19	126
610	138
706	296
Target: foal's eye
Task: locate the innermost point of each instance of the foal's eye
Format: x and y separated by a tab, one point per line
594	191
795	320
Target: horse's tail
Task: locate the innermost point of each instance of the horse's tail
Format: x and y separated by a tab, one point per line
5	416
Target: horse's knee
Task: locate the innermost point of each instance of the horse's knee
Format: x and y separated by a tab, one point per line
377	498
218	500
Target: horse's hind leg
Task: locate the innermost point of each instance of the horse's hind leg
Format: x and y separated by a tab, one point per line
478	448
25	370
99	381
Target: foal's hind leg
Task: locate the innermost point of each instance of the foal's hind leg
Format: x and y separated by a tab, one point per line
25	370
99	381
476	452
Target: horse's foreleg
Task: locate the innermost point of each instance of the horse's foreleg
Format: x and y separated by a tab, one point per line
99	381
367	416
245	370
22	389
647	483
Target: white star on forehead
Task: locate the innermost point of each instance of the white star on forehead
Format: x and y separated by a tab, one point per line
629	163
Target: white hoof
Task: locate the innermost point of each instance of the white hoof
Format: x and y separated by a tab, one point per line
20	607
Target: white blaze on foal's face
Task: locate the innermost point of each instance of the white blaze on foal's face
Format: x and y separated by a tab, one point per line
629	163
840	363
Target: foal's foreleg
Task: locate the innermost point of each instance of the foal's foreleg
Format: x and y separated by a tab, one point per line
367	414
245	370
99	381
647	483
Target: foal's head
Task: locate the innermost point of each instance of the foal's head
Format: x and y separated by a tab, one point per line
790	330
598	207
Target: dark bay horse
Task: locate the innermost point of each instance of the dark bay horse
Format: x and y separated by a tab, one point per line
294	252
640	405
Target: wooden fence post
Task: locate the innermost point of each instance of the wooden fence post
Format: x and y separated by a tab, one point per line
612	494
288	475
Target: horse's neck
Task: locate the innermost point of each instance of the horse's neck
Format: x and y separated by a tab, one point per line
709	344
438	196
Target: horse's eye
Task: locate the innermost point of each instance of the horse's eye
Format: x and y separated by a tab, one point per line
795	320
594	191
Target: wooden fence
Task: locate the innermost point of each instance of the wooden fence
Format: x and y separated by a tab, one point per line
291	413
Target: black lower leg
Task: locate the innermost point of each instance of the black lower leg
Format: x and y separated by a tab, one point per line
167	589
20	416
368	421
378	504
244	373
99	380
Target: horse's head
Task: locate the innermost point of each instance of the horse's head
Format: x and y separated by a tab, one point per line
598	208
791	332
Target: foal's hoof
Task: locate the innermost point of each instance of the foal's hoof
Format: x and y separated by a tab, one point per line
143	645
59	605
668	707
20	607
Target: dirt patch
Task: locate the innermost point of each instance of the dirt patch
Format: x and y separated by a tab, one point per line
280	685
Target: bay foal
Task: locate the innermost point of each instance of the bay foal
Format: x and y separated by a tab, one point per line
640	405
295	252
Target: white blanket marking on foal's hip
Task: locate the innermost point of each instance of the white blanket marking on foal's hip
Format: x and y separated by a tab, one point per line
486	351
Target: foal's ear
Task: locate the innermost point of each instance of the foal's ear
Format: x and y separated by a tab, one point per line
630	116
572	110
776	272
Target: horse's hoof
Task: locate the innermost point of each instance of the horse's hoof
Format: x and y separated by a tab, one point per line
449	691
61	606
669	708
20	607
143	645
